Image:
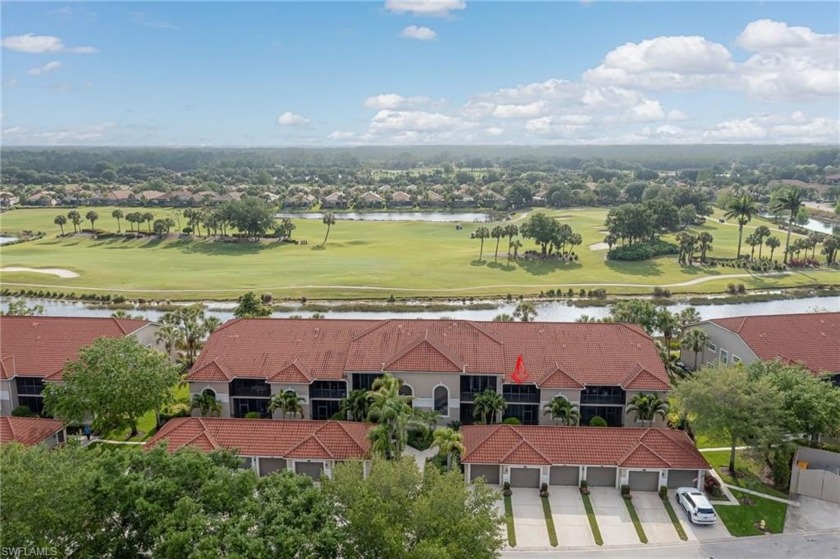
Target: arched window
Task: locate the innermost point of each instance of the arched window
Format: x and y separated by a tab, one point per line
442	400
406	390
209	392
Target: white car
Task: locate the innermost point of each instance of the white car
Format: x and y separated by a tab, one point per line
696	505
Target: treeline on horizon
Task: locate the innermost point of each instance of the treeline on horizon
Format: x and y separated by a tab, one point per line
511	158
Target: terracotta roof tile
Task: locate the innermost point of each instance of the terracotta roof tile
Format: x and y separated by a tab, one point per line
585	354
39	346
268	437
812	339
592	446
27	430
296	373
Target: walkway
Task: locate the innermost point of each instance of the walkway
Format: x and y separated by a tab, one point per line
763	495
420	456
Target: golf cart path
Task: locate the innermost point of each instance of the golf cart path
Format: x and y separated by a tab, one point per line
695	281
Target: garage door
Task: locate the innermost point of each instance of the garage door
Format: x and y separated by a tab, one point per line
564	475
600	477
644	481
682	478
522	477
269	465
311	469
489	473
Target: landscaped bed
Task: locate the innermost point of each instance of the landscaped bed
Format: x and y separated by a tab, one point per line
743	520
748	471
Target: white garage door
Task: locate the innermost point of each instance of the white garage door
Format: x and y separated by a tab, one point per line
600	477
524	477
644	481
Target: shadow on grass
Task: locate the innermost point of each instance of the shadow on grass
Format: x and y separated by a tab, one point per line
543	267
478	262
503	266
645	268
319	247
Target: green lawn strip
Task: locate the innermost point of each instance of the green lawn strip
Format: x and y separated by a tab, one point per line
549	521
747	468
388	255
674	519
634	516
147	424
742	520
593	522
511	533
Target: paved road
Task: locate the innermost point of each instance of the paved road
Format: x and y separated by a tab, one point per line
815	545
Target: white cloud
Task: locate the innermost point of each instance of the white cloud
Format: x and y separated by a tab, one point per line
676	114
340	135
529	110
94	133
677	62
147	20
394	101
41	44
48	67
429	8
386	120
648	110
420	33
494	131
292	119
737	130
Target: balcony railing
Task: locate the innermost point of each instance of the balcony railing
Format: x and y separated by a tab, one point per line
602	399
328	393
533	398
251	391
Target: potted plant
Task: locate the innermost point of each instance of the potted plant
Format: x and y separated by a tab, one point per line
625	492
506	489
544	490
584	487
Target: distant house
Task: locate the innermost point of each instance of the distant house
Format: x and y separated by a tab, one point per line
311	448
540	197
42	198
370	200
30	431
401	199
334	200
7	199
444	364
154	197
832	179
177	198
300	200
431	199
34	349
119	197
530	455
226	197
812	339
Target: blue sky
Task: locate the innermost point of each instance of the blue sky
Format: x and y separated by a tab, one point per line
412	72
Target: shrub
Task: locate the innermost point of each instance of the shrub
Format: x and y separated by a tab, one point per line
22	411
512	421
266	298
597	421
253	415
712	485
780	470
643	251
584	484
625	490
544	490
661	292
663	492
506	489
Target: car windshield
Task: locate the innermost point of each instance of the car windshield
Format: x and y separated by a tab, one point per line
706	511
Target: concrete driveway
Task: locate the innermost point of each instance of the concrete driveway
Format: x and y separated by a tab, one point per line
613	517
812	514
570	521
701	532
528	519
655	520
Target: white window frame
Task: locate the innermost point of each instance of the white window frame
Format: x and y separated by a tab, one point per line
724	356
711	347
434	397
736	359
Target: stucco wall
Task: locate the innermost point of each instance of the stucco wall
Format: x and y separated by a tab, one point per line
721	338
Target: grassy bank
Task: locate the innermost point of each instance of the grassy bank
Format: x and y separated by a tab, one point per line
362	259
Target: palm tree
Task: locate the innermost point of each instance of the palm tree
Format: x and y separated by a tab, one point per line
497	233
511	231
206	404
741	208
148	217
488	405
773	243
92	216
170	336
790	200
688	315
481	233
448	442
504	317
329	221
647	406
525	311
356	406
705	240
517	244
76	218
287	402
695	340
753	241
667	323
118	215
60	220
761	232
380	441
562	410
391	410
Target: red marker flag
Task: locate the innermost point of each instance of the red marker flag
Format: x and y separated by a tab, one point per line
519	374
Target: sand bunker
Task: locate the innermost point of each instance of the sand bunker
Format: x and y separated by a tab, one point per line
51	271
599	246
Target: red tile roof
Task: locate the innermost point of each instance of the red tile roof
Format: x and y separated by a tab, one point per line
312	440
556	355
628	447
28	430
812	339
39	346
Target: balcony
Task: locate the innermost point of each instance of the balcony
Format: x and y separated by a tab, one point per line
602	395
246	388
328	390
522	398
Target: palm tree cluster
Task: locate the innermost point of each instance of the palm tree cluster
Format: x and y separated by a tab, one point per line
392	412
488	407
690	243
206	404
646	407
790	200
498	232
286	402
562	411
184	330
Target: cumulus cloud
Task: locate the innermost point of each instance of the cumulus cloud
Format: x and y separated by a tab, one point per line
429	8
340	135
87	134
737	130
48	67
394	101
386	120
528	110
292	119
420	33
39	44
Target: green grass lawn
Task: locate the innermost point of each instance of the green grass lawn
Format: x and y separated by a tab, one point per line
634	516
674	520
361	259
146	425
549	521
742	520
703	440
511	531
593	522
747	467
